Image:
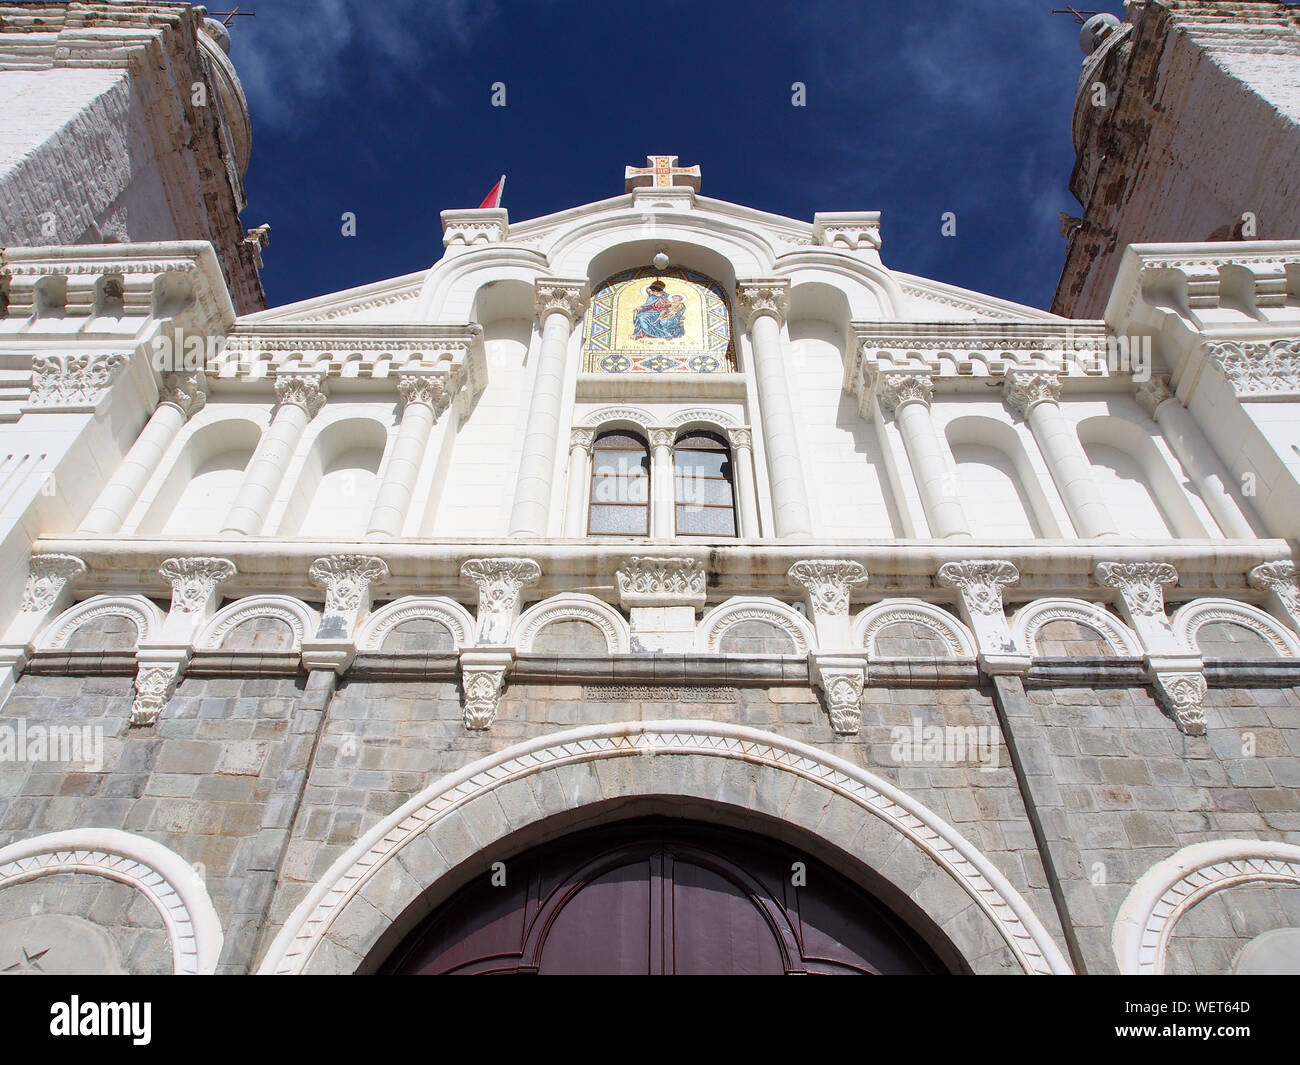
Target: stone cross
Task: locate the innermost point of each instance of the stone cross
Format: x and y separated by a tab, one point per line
661	172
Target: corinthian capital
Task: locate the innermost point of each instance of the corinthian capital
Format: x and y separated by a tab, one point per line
980	583
347	580
1140	585
897	388
1023	390
757	296
305	390
185	392
556	295
194	581
499	581
426	387
47	576
1152	393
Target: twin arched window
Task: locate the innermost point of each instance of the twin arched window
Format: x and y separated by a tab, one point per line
620	503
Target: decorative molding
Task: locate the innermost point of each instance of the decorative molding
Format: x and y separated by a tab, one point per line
47	576
704	416
1182	694
853	231
154	684
635	415
828	583
490	225
74	380
842	690
301	619
758	296
1259	368
574	606
671	581
959	639
919	293
313	921
714	625
304	390
556	296
1140	584
146	617
1022	390
194	580
499	582
185	392
1030	618
1282	579
659	693
483	679
1189	618
347	580
166	879
897	388
980	583
458	621
1165	892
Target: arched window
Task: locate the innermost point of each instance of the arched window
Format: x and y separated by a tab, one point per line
703	490
620	485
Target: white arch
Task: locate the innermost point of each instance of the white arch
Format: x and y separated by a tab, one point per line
1188	619
364	868
1170	888
878	616
1033	616
448	612
574	606
703	417
302	620
598	419
162	875
146	617
741	608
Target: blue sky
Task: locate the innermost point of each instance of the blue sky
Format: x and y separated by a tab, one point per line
383	108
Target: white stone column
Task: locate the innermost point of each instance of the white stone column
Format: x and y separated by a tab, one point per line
1187	441
907	394
742	462
1036	394
182	395
663	484
425	396
575	521
559	305
301	397
764	303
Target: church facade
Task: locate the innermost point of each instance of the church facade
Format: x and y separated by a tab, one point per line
659	585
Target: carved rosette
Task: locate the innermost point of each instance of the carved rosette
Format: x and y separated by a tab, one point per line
672	581
346	580
828	583
47	576
1282	579
426	388
185	392
154	685
74	380
483	686
554	296
842	690
898	388
304	390
1183	695
499	582
758	297
1152	393
1022	390
980	583
1140	585
193	580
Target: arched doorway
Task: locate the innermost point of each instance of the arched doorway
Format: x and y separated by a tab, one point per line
660	895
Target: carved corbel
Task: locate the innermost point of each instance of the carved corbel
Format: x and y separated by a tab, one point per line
979	584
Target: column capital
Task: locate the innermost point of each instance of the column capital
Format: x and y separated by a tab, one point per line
347	580
828	584
1140	585
757	296
897	388
741	436
1153	393
427	387
47	576
305	390
1281	578
186	392
1022	390
194	581
662	436
499	582
980	583
583	437
559	295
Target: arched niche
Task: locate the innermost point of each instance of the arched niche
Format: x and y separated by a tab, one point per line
999	490
195	495
337	483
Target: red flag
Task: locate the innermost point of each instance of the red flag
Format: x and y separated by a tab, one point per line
493	198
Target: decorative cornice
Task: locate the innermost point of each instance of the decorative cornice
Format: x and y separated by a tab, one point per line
1140	584
1258	368
645	581
489	225
47	576
853	231
828	583
185	392
193	580
558	296
74	380
759	296
1152	393
980	583
897	389
304	390
1022	390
